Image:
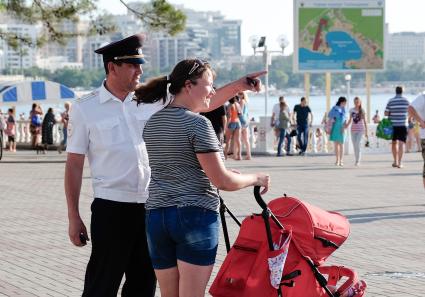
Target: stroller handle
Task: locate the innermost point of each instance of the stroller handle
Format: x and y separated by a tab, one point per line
258	198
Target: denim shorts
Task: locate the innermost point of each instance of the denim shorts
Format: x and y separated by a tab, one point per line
189	234
234	125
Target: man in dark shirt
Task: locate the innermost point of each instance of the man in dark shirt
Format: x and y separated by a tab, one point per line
218	120
301	114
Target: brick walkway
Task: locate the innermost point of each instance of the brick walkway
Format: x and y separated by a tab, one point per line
386	208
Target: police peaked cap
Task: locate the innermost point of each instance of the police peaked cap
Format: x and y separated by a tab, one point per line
127	50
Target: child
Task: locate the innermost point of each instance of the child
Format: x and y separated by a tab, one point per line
319	139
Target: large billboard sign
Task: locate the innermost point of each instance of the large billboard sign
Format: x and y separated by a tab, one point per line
339	35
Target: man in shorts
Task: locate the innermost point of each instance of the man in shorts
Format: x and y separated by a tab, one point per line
417	111
396	111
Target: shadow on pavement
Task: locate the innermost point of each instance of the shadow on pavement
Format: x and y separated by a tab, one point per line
377	207
371	217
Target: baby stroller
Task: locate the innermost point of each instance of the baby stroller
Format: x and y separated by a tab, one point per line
287	260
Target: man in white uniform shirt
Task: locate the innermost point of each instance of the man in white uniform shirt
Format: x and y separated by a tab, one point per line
417	111
107	126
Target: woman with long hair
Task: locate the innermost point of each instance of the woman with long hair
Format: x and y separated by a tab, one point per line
337	134
187	168
233	130
357	119
35	118
283	124
244	119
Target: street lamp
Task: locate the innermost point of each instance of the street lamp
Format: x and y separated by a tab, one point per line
260	42
347	78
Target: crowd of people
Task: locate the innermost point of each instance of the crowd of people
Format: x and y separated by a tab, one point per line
287	124
157	165
40	127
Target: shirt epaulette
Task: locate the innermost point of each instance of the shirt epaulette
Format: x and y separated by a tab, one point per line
88	96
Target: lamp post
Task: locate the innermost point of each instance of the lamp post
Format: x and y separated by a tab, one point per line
347	78
260	42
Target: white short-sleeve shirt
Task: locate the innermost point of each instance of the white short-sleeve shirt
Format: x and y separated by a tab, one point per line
110	132
419	105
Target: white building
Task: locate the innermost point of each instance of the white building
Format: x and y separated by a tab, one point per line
126	25
22	57
208	35
406	47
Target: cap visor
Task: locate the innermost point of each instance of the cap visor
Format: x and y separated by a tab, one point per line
133	61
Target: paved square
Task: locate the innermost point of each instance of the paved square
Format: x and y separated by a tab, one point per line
386	208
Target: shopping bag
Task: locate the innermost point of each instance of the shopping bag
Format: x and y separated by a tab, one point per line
385	129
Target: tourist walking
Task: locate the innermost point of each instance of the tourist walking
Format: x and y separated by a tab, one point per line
396	110
338	118
107	126
36	119
376	118
10	130
303	117
244	119
187	169
47	129
64	120
417	111
284	117
275	118
413	135
357	120
2	127
233	131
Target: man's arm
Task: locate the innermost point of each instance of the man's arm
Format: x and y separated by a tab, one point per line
228	91
416	116
272	121
387	110
73	179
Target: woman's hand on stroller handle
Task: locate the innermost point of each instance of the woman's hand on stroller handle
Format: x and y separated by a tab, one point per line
263	180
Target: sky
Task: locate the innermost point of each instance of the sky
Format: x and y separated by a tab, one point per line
272	18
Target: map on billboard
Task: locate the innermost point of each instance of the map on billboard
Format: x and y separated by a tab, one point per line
339	35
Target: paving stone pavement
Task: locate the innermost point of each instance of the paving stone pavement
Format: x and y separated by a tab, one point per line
386	208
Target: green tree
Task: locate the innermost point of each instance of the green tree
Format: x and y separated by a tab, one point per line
156	15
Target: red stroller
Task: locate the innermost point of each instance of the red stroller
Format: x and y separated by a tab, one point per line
286	260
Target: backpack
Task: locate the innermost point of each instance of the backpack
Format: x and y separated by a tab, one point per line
36	120
283	120
385	129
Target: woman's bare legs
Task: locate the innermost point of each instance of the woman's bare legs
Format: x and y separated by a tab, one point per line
237	144
229	135
193	279
168	280
245	142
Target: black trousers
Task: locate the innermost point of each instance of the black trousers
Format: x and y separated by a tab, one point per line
119	247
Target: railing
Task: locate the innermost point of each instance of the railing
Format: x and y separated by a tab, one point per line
23	135
264	141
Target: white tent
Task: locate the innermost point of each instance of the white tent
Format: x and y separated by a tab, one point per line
28	92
